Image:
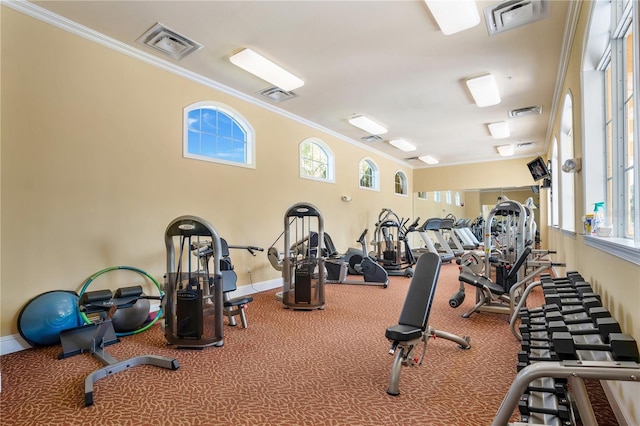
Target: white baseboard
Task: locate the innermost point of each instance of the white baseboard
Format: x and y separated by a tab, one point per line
15	342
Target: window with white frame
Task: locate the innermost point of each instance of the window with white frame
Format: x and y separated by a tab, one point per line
555	187
422	195
368	174
316	160
457	198
436	196
567	180
401	183
447	197
215	132
610	75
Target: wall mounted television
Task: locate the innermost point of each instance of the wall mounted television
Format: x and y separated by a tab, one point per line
538	169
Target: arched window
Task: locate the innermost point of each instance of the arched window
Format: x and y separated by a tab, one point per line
215	132
401	183
368	173
567	180
316	160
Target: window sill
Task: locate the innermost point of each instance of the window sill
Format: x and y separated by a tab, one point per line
621	247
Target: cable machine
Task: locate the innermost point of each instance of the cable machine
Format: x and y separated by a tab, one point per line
303	269
193	302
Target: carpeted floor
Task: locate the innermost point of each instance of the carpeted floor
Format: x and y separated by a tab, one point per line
328	367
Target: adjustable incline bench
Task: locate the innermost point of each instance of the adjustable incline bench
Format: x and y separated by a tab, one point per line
413	326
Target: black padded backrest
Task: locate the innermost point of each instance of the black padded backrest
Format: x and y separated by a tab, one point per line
417	304
523	257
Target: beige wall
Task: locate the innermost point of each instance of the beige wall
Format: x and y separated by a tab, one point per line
615	279
495	174
92	169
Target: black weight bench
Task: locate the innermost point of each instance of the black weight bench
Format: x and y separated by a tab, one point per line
413	326
94	337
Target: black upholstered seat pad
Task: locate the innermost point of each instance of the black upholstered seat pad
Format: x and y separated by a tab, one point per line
480	281
403	333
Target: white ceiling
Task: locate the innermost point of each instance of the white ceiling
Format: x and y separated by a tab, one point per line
385	59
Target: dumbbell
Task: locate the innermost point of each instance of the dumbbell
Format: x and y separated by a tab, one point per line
544	403
622	346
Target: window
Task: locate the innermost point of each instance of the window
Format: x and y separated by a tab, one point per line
567	188
447	196
316	160
368	172
215	132
555	187
458	202
436	196
610	75
401	183
422	195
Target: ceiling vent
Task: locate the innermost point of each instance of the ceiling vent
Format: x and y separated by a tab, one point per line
514	13
521	112
168	42
276	94
371	138
524	144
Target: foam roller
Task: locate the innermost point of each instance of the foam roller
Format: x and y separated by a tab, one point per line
457	299
95	296
133	291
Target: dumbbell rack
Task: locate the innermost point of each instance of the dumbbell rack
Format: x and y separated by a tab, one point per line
570	338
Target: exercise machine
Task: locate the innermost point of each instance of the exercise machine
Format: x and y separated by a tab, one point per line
338	267
413	326
232	306
303	264
431	227
393	251
93	338
193	302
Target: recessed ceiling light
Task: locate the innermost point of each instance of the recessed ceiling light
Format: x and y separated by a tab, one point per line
499	130
454	16
484	90
403	145
428	159
368	125
261	67
505	150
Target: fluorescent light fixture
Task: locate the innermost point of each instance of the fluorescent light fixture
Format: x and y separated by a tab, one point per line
454	16
428	159
499	130
403	145
505	150
484	90
261	67
368	125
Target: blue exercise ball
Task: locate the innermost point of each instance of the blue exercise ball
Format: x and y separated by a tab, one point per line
45	316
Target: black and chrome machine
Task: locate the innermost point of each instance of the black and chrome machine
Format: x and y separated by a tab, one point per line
393	250
193	303
233	306
413	326
94	337
303	268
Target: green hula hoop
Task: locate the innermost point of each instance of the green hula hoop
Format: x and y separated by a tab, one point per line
128	268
